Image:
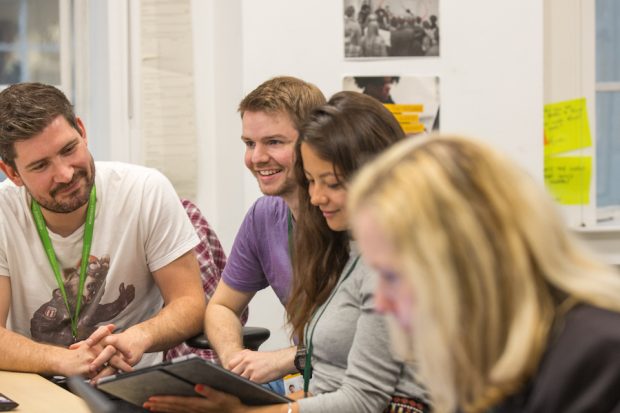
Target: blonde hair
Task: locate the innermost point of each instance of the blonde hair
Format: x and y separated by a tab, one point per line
488	257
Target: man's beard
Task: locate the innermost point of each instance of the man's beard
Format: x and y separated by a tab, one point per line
287	187
74	202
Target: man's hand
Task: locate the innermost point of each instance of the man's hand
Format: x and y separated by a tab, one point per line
108	359
131	344
230	354
262	366
78	360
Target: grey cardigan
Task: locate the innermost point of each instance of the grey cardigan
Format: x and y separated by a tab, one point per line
354	369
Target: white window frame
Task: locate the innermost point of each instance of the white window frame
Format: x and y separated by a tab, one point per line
569	73
608	217
64	44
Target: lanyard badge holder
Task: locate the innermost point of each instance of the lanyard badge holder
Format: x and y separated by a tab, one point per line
51	254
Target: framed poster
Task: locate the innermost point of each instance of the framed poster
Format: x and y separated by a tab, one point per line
379	29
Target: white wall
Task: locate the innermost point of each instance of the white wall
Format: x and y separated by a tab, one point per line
491	76
491	87
218	73
490	66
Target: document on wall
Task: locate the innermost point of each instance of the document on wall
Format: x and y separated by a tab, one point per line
568	178
566	126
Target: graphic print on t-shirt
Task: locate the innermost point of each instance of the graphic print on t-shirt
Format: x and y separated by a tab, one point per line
51	323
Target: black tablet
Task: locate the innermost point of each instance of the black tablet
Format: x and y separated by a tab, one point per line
179	376
6	403
99	402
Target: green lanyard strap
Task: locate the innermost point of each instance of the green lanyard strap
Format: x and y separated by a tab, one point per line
51	254
289	226
308	361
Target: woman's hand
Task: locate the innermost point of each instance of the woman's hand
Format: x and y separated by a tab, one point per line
212	401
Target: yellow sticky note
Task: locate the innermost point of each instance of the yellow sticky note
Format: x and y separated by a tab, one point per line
566	126
404	108
568	178
412	127
408	118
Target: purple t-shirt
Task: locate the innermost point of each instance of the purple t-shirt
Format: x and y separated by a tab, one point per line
260	256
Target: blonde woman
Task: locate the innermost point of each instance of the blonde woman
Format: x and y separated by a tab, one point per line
500	305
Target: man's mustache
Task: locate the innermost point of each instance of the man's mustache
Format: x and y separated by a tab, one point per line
77	175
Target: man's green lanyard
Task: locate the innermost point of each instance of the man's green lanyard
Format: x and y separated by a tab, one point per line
308	364
51	254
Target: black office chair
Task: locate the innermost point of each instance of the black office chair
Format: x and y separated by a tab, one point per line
253	337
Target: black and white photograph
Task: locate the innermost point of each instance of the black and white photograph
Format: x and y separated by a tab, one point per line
414	100
391	28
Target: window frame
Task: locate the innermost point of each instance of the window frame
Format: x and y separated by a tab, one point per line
63	47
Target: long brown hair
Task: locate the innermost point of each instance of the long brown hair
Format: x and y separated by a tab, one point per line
348	131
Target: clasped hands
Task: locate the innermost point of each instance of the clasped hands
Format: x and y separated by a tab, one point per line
104	353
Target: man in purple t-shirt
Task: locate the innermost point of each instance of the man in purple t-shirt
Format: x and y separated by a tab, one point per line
271	117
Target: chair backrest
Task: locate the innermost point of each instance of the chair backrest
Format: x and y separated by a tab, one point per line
253	337
211	259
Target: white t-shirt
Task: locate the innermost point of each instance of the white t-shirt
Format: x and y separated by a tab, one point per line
140	227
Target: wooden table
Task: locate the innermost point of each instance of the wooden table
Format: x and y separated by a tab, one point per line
36	394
